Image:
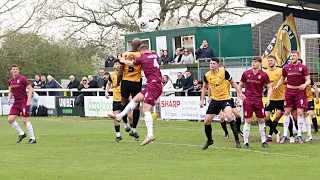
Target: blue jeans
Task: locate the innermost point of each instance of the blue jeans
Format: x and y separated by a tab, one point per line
33	109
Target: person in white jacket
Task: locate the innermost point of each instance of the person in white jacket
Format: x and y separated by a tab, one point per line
187	58
167	84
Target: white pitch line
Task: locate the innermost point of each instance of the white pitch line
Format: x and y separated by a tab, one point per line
178	144
226	148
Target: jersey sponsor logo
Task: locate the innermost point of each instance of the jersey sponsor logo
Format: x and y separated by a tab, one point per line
300	68
259	77
18	81
172	103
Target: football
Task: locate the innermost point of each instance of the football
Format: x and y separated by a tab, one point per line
143	23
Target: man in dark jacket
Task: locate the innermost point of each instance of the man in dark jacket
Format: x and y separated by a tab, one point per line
102	80
188	82
109	60
205	51
74	83
180	81
37	82
51	84
92	83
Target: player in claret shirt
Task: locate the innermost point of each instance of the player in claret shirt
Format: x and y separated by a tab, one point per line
17	88
150	64
254	80
298	79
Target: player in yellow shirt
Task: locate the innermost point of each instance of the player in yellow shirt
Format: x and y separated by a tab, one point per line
116	105
221	99
234	111
131	84
276	99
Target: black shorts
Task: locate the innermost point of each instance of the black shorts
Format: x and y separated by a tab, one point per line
216	106
116	106
278	104
130	88
311	105
233	104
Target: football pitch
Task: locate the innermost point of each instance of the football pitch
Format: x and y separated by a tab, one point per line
85	148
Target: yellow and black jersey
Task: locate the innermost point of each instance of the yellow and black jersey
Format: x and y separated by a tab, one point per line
116	91
219	84
309	91
132	73
275	76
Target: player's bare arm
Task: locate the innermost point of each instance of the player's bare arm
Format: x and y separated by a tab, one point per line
269	86
316	92
280	82
129	63
9	96
203	93
120	75
238	89
30	94
209	95
108	86
238	97
307	83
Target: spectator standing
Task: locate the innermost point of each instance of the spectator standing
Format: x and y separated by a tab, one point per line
188	82
109	60
34	104
178	56
205	51
37	82
187	58
74	83
161	55
102	81
166	59
179	81
92	82
167	85
51	83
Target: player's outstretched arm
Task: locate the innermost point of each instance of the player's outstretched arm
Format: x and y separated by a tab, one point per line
129	63
30	94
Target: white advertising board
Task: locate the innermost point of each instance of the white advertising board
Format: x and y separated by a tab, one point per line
184	108
97	106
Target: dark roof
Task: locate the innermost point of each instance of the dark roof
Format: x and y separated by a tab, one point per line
307	9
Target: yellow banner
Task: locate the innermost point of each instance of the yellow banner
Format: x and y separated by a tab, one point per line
285	41
316	111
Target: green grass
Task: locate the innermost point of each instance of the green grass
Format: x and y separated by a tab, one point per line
84	148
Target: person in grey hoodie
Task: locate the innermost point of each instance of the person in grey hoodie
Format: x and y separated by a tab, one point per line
34	104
